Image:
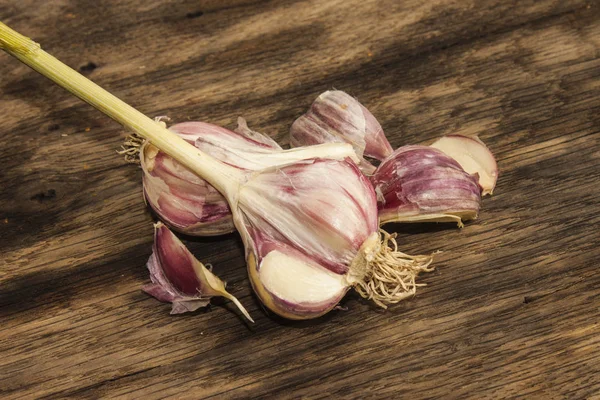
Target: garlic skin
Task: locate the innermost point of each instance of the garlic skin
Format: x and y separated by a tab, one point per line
311	232
336	116
179	278
422	184
474	156
189	204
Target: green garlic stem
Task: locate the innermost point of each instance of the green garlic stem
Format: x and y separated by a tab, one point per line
223	177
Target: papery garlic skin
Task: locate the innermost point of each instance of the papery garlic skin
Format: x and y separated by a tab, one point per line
179	278
242	148
421	184
473	156
336	116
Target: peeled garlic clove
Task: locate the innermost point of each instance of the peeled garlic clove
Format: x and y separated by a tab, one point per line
179	278
336	116
309	239
422	184
474	157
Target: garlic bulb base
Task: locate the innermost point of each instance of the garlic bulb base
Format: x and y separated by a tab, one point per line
456	217
385	275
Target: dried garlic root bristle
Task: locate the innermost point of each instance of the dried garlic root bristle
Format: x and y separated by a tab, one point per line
389	274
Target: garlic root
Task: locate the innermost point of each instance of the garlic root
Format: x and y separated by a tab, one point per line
389	275
130	149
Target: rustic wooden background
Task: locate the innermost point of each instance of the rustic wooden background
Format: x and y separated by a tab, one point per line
513	308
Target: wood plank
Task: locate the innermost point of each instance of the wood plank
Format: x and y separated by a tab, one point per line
512	309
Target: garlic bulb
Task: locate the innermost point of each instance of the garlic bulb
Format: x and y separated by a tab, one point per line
189	204
311	233
309	225
179	278
308	219
336	116
474	156
421	184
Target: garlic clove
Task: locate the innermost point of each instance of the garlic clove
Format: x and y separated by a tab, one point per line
422	184
184	201
300	282
474	157
336	116
293	285
179	278
376	143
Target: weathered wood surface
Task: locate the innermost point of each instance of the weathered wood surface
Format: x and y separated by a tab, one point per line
513	308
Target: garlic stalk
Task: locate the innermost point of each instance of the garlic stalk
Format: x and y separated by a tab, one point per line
336	116
422	184
179	278
189	204
321	210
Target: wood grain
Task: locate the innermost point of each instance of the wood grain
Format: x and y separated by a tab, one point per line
512	310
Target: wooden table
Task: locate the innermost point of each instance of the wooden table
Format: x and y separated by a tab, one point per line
513	308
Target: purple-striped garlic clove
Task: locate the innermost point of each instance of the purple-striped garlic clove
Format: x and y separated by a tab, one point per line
336	116
311	233
423	184
474	157
181	199
179	278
